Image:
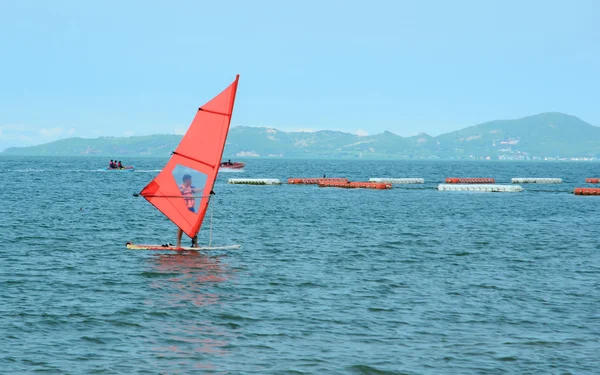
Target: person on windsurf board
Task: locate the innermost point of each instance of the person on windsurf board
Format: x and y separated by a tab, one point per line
200	150
188	190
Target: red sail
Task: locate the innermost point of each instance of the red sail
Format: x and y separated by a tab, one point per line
181	190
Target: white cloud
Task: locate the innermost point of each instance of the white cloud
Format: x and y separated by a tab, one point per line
71	131
51	132
361	133
128	133
15	127
15	135
180	130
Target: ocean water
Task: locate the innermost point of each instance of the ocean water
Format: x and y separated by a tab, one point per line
328	281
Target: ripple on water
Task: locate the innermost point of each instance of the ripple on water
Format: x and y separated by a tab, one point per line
328	281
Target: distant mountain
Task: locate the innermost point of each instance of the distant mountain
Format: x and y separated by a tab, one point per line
543	135
546	135
158	144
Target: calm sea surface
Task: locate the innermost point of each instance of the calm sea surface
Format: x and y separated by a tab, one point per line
328	281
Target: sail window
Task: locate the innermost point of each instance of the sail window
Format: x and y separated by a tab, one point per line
191	185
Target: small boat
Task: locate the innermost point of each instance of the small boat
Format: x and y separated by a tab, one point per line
126	168
230	165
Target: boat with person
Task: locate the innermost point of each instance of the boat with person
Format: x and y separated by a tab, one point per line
232	166
117	165
183	189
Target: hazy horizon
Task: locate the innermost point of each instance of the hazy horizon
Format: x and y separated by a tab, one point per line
278	129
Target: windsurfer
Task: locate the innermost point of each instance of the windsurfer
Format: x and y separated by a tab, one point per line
188	190
200	149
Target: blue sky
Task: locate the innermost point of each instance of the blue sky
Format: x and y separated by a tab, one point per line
83	68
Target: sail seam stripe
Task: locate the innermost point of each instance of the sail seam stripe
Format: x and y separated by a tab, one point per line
194	159
215	112
177	196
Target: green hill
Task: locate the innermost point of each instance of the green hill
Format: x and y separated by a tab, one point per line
543	135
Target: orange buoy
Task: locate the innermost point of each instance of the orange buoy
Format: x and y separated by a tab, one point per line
592	180
356	185
333	184
586	191
370	185
457	180
314	181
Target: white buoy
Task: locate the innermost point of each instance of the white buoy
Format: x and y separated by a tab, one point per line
481	188
399	180
534	180
254	181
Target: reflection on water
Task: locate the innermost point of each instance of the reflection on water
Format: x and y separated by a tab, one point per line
193	272
192	280
191	264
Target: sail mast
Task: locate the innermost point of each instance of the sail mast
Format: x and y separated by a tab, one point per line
232	101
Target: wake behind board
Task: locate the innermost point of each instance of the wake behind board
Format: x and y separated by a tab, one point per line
132	246
127	168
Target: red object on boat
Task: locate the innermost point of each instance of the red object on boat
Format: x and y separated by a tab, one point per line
592	180
315	181
236	165
586	191
457	180
356	185
196	159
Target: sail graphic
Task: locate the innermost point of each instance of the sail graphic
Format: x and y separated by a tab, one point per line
181	191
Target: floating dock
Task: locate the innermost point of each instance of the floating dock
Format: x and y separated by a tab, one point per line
586	191
314	181
592	180
254	181
399	181
469	180
481	188
536	180
357	185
